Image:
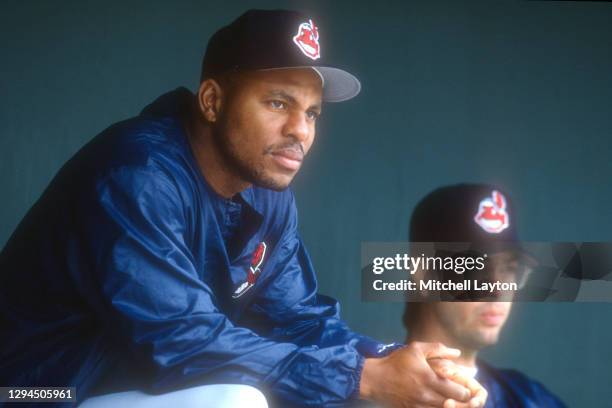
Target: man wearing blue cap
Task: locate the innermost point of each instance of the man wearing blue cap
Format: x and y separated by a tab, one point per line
481	215
165	254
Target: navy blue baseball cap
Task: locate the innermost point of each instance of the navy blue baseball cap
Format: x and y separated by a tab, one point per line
471	220
480	214
276	39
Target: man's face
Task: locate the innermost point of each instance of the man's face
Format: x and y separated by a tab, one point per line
267	124
475	325
472	325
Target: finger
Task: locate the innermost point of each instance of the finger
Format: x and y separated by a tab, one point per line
449	403
437	350
443	368
473	385
471	404
462	404
429	398
479	394
451	390
479	400
450	371
475	403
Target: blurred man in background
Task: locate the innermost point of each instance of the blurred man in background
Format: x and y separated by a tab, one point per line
483	216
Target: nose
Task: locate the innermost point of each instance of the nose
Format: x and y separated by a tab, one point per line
297	127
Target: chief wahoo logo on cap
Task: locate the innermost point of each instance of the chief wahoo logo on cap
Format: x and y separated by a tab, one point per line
307	40
492	215
253	271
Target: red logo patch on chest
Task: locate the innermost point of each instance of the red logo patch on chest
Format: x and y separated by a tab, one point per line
253	271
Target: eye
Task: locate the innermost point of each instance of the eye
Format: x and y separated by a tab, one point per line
511	269
276	104
312	115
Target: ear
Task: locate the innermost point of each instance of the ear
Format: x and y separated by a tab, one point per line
210	99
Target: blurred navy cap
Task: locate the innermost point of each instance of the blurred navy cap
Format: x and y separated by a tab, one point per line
478	213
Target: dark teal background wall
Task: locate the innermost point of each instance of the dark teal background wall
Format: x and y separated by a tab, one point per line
516	93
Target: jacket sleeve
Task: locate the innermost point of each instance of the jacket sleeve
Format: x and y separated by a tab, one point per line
297	312
155	301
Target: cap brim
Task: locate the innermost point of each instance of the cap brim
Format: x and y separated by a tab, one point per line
508	246
338	85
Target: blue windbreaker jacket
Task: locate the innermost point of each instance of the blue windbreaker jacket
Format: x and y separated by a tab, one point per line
125	274
512	389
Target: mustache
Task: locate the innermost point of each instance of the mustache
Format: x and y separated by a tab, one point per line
294	146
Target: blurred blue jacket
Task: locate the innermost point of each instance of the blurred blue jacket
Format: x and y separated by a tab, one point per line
512	389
